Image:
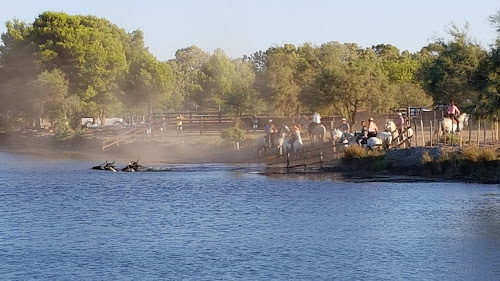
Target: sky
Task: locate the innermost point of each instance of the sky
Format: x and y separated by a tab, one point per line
244	27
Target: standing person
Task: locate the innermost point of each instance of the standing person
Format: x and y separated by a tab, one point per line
255	122
344	126
372	128
179	124
270	129
454	113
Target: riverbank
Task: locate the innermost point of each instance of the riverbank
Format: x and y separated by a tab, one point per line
433	163
468	164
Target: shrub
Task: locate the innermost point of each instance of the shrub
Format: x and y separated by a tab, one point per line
381	164
471	153
233	134
426	157
355	152
444	156
489	154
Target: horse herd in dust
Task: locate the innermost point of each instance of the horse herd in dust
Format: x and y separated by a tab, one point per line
389	138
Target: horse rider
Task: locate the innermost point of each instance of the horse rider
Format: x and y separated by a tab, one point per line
344	126
294	134
453	113
316	120
372	128
270	130
401	122
363	135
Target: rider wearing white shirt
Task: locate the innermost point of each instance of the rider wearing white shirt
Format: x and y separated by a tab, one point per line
316	118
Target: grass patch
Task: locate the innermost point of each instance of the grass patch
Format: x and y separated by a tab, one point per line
444	156
426	157
489	154
471	153
357	152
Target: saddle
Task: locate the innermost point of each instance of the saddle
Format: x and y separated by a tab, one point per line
453	120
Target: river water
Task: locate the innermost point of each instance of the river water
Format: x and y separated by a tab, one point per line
60	220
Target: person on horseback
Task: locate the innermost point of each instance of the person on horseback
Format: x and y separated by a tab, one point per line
270	130
401	123
294	135
372	128
316	120
344	126
454	113
363	135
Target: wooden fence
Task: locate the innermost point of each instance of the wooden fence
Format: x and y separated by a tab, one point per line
309	155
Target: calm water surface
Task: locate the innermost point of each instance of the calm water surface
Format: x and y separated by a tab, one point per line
59	220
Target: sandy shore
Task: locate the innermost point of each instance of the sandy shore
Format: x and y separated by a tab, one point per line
187	149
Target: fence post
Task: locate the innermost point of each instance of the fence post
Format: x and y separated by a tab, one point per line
321	157
287	161
438	131
484	134
430	136
470	131
422	127
416	137
496	129
478	130
201	126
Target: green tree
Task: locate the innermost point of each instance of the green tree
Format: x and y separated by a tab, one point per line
452	72
187	65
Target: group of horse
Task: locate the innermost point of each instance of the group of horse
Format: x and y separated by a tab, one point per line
133	166
281	140
391	137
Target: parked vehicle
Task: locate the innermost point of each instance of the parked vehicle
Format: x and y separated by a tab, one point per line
112	121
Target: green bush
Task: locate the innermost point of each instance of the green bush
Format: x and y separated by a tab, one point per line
233	134
62	130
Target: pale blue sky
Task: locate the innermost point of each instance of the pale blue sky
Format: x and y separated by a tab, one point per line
243	27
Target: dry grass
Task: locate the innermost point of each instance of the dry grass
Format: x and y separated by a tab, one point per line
426	157
444	156
475	154
357	152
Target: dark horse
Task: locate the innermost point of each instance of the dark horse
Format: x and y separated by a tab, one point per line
133	166
106	166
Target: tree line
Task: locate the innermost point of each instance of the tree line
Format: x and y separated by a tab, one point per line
62	67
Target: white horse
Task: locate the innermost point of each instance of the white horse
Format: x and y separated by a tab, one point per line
448	125
337	135
263	146
297	144
372	143
385	139
317	133
391	127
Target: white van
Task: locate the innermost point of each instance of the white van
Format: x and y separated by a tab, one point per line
113	121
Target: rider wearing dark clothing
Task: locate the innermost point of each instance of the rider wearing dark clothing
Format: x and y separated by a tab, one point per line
294	135
363	136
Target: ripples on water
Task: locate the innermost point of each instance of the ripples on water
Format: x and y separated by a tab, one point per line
59	220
